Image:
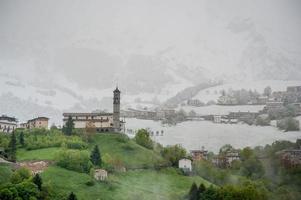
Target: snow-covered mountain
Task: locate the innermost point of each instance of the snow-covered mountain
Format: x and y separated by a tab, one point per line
213	93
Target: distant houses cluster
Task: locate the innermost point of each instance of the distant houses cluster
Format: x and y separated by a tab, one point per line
222	160
9	124
289	158
100	121
38	122
272	101
157	114
275	102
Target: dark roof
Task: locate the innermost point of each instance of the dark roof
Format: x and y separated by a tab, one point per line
37	118
86	114
117	90
10	119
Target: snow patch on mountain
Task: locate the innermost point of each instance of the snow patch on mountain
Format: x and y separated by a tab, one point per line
213	93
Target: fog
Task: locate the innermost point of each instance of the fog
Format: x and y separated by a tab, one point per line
64	54
96	44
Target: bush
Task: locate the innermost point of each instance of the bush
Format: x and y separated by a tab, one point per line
5	174
142	138
20	175
173	154
288	124
90	183
41	138
76	144
263	120
122	139
74	160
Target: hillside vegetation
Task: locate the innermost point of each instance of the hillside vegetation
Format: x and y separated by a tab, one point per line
147	175
137	184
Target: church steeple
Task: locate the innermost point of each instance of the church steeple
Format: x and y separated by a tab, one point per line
116	99
116	110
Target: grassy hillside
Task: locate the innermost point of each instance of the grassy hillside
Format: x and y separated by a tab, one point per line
137	184
132	154
117	146
133	184
38	154
5	173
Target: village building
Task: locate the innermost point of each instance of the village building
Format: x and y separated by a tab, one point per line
139	114
220	119
262	100
290	158
195	103
226	160
273	105
217	119
7	124
293	89
38	122
234	117
219	161
165	113
227	100
198	155
102	122
277	96
100	174
185	165
232	156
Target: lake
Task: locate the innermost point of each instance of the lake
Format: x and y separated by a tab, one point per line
195	134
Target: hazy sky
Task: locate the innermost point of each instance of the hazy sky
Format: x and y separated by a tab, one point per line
139	43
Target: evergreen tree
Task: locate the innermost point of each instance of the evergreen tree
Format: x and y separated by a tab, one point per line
12	147
37	180
68	127
21	139
201	190
72	196
193	193
95	156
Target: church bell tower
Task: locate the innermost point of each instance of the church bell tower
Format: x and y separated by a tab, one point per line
116	110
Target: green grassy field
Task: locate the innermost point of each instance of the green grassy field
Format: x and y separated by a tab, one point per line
128	151
38	154
132	155
138	184
134	184
5	173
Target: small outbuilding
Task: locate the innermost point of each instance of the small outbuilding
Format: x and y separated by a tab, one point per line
185	165
100	174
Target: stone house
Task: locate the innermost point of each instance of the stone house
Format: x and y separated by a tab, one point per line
198	155
38	122
100	174
7	124
185	165
290	158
